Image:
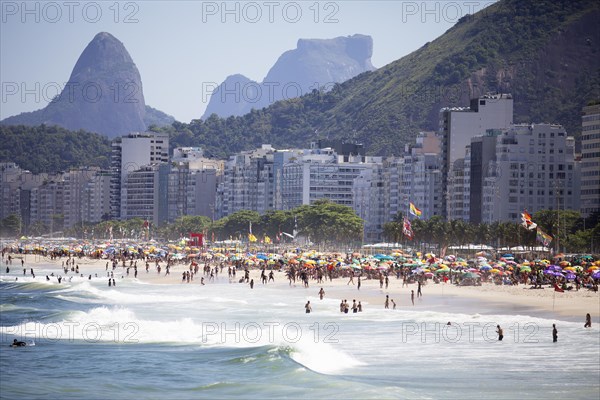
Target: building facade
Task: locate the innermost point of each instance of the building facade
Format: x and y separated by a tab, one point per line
590	160
534	169
458	125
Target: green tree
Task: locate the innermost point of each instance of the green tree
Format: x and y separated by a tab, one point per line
182	226
238	223
328	222
11	226
558	223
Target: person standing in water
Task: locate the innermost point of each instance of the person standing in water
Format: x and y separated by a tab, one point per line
412	297
588	321
321	294
307	307
554	333
500	333
387	301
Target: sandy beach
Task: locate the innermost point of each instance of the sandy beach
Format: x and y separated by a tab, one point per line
572	305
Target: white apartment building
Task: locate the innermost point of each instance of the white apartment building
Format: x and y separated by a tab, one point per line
590	160
458	125
534	169
130	153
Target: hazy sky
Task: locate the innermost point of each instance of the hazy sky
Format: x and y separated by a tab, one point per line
182	48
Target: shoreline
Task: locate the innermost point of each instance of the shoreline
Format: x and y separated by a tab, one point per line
569	305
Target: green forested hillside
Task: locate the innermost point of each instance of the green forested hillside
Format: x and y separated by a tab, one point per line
546	53
52	148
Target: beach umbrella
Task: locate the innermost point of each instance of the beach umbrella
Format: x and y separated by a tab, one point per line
564	263
570	277
485	268
596	275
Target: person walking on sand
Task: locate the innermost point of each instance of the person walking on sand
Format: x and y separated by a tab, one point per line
393	304
321	294
358	284
351	278
359	306
554	333
588	321
500	333
419	293
412	297
307	307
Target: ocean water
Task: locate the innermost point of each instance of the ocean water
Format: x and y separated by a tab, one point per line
223	340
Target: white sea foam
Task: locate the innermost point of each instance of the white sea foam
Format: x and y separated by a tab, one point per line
322	357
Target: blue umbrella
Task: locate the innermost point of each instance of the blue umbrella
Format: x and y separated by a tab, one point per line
596	275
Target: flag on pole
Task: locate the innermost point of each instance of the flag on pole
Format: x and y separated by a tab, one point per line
407	229
267	239
527	221
543	237
252	238
295	231
415	211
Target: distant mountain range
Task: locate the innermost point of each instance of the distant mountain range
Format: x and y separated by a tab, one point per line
315	64
104	94
546	53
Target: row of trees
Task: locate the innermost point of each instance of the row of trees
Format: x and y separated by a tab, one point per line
324	222
327	223
573	233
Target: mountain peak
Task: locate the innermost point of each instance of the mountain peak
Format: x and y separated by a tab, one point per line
103	53
104	93
313	64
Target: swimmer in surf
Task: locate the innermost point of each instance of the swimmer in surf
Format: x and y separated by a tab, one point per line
17	343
